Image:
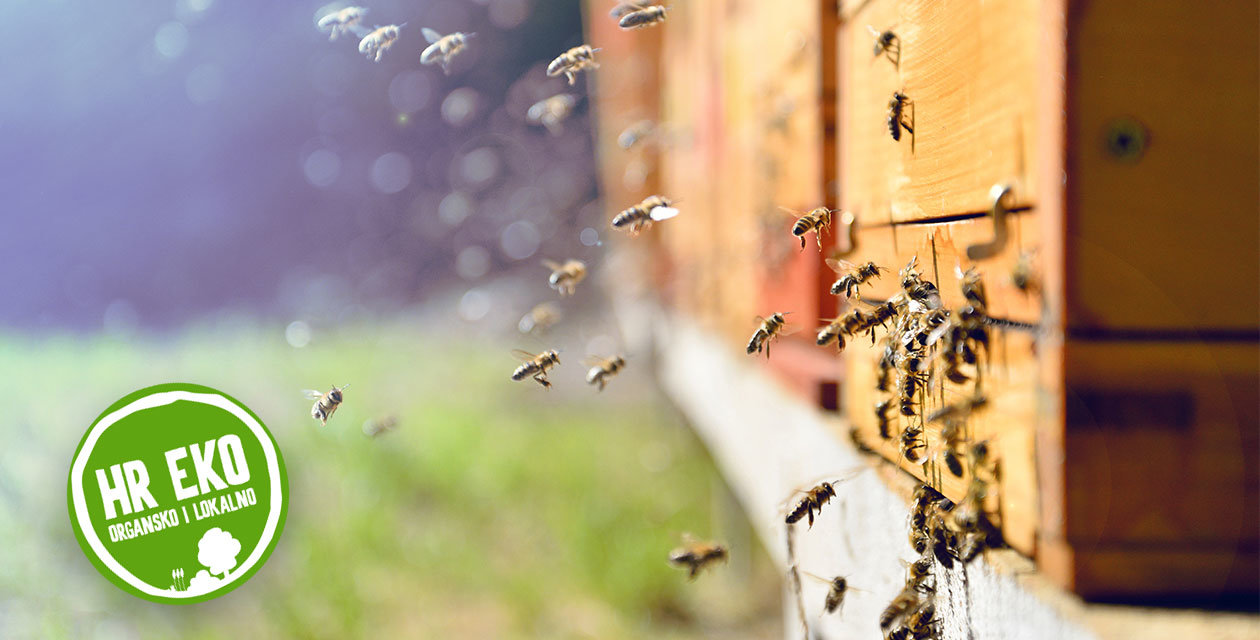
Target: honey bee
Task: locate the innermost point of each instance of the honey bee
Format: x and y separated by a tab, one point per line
857	276
813	501
907	386
551	112
572	61
921	621
972	288
377	426
897	118
912	444
900	606
539	319
918	289
882	420
832	331
943	540
641	216
602	369
887	42
816	220
623	8
918	573
442	49
325	403
959	410
838	588
884	369
565	277
644	16
635	133
343	21
535	365
768	329
374	44
696	555
1023	276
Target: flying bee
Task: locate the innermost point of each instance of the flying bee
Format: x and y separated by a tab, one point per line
857	276
343	21
1023	276
374	44
539	319
641	216
325	403
813	501
645	16
900	606
623	8
535	365
696	555
768	329
972	287
882	313
602	369
815	220
572	61
832	331
838	589
897	117
376	426
887	42
442	49
882	420
565	277
635	133
551	112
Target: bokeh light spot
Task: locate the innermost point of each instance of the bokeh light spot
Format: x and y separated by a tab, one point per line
474	305
411	91
459	106
322	168
589	237
297	334
171	39
520	240
391	172
472	262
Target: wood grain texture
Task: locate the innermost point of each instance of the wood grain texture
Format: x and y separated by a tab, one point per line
970	69
1168	241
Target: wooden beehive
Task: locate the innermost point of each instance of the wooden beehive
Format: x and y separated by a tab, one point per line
1123	385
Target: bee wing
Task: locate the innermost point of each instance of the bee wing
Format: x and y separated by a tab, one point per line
595	361
840	266
792	212
787	331
759	320
552	264
312	394
663	213
523	355
937	333
430	35
815	576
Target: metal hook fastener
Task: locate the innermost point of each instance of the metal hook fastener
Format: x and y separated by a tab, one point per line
848	230
1001	196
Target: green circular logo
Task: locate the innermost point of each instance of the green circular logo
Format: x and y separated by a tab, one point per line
177	493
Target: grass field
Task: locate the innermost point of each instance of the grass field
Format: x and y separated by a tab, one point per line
494	510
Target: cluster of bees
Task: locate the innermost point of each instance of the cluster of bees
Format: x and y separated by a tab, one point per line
923	342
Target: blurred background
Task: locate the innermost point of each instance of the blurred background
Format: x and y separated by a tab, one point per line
215	192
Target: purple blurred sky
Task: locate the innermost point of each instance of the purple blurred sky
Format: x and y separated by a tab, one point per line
168	159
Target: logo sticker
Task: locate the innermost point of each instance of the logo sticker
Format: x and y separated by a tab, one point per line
177	493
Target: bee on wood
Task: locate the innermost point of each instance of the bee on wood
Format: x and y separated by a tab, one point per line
1022	274
916	288
768	329
943	540
882	313
602	369
886	43
376	426
815	220
959	410
913	445
325	403
642	215
539	319
551	112
535	365
897	117
907	385
832	331
882	419
857	276
922	621
813	501
572	61
374	44
695	555
855	437
917	575
972	288
644	16
899	607
952	434
635	133
565	277
343	21
442	49
884	369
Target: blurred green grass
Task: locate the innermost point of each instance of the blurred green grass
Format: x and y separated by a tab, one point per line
495	509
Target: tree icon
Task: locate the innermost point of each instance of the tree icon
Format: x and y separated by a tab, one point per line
217	550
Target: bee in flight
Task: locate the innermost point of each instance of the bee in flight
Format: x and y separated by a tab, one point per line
343	21
816	220
374	44
768	329
897	117
565	277
602	369
572	61
539	319
635	133
642	215
813	501
535	365
839	587
1023	276
695	555
376	426
832	331
887	43
642	16
325	403
854	276
550	112
442	49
